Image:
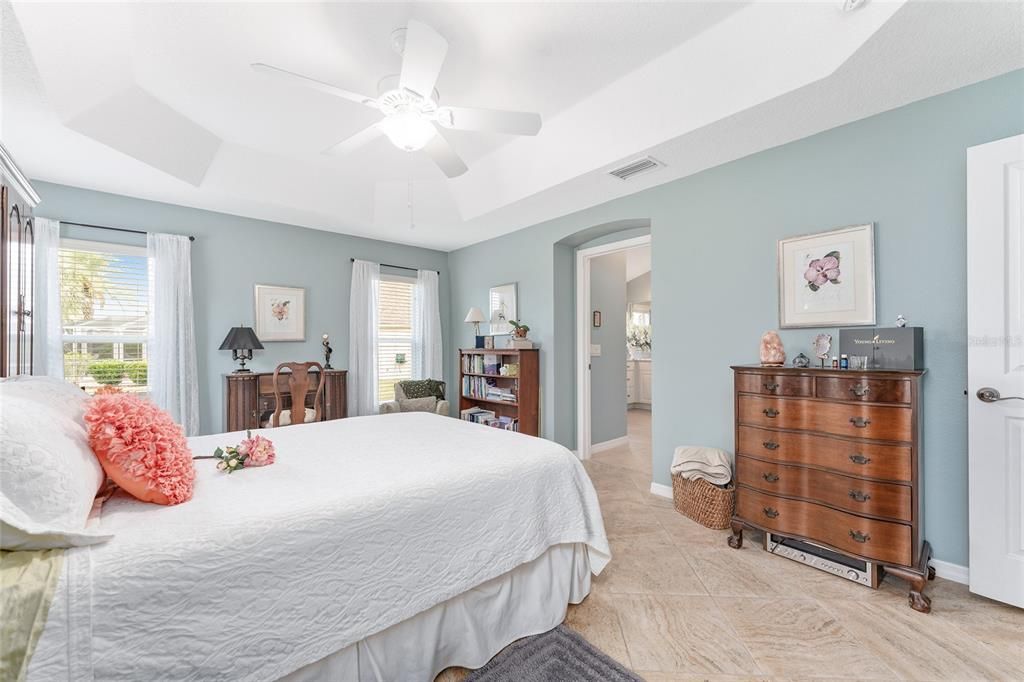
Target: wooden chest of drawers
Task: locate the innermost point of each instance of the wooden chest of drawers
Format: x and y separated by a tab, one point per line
833	457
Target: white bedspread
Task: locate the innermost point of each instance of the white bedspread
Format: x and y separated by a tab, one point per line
360	524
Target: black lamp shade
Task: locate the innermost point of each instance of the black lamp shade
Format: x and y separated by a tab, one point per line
241	338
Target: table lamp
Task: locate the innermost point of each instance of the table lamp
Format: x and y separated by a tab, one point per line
241	341
476	316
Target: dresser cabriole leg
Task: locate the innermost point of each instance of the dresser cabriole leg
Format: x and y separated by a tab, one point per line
736	539
918	579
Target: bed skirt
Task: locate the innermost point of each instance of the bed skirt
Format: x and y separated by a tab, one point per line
467	630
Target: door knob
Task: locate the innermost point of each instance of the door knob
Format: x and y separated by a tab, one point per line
991	395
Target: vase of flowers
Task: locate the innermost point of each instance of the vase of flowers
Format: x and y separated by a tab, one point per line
638	340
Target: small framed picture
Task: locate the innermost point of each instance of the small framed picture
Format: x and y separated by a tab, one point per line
488	342
828	279
597	318
280	313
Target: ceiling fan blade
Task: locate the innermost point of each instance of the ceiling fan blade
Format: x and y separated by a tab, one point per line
422	58
489	120
295	78
441	153
360	139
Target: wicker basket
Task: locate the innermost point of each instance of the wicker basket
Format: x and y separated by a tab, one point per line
704	502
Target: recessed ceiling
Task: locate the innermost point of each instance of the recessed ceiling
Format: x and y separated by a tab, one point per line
157	100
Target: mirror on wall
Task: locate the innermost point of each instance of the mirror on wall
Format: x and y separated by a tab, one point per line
502	302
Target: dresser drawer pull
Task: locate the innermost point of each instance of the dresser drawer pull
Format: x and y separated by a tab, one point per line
772	513
859	495
859	537
859	422
859	459
770	412
770	477
860	390
770	445
771	388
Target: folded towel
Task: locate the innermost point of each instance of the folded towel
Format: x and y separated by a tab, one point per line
711	464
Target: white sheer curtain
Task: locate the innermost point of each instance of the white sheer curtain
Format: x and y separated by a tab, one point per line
48	349
427	353
362	338
173	375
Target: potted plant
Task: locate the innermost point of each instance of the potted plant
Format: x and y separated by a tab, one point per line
519	330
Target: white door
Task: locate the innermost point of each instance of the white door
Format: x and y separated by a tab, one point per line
995	367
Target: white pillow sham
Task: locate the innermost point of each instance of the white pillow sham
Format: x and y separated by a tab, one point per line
65	398
49	475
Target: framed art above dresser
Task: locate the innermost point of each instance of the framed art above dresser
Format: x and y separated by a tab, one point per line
833	457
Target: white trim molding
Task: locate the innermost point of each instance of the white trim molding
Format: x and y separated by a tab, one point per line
21	184
949	571
583	257
609	444
661	490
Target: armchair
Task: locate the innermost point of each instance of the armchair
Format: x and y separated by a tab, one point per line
417	403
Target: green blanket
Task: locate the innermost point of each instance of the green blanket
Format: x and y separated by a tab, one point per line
27	583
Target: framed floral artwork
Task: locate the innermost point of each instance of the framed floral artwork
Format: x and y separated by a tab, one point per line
280	313
828	279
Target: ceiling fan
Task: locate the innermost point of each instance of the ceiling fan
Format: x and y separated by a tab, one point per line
411	112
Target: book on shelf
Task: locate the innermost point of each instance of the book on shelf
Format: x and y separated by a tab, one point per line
477	415
486	388
490	363
489	418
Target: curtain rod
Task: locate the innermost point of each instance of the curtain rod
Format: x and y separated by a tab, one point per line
398	267
115	229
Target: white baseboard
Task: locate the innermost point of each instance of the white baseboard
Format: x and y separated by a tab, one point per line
661	490
609	444
948	571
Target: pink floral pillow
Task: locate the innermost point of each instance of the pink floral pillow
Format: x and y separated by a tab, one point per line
141	448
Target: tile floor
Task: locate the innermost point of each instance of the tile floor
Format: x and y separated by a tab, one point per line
676	603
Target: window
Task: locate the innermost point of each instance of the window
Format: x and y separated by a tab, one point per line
394	334
104	293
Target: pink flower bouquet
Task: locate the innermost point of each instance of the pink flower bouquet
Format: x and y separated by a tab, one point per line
254	451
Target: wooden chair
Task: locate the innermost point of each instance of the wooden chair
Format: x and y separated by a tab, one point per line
298	387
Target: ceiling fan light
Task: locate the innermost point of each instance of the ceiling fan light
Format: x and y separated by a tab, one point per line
407	130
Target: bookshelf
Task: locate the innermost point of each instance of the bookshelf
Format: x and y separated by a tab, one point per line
513	397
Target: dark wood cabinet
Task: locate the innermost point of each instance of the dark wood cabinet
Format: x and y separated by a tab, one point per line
833	457
249	397
17	247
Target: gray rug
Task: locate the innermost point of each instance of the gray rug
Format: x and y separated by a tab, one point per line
559	655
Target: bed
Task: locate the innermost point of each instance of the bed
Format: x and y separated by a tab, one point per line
375	548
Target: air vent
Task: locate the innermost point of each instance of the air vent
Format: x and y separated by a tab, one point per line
636	167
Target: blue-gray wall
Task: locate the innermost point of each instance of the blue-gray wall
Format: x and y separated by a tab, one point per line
714	240
230	255
608	370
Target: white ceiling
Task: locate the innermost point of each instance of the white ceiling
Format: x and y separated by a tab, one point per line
156	100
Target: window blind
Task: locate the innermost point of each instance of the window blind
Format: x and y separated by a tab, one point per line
394	334
104	292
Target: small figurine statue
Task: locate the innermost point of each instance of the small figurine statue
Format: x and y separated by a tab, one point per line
901	321
822	344
327	352
773	354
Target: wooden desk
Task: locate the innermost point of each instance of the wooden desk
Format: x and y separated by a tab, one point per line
248	395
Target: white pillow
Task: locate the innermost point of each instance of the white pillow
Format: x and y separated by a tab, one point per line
49	476
65	398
